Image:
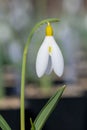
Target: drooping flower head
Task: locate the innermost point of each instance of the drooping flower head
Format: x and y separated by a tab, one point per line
49	56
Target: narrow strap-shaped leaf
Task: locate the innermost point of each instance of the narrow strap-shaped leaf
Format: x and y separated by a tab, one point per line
32	125
3	124
47	109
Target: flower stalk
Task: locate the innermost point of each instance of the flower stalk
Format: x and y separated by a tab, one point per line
22	107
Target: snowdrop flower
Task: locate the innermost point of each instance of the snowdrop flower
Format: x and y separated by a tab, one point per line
49	56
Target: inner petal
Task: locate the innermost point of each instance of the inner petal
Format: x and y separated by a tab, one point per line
49	66
50	49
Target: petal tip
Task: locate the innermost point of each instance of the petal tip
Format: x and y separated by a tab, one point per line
39	75
59	73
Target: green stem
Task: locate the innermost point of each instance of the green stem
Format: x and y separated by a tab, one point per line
22	110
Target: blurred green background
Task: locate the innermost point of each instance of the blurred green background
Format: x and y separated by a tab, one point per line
18	17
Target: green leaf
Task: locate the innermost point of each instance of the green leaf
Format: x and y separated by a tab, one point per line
3	124
32	125
47	109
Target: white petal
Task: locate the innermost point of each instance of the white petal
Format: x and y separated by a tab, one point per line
57	58
49	66
42	58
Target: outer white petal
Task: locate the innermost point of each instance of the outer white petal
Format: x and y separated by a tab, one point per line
42	58
49	66
57	58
